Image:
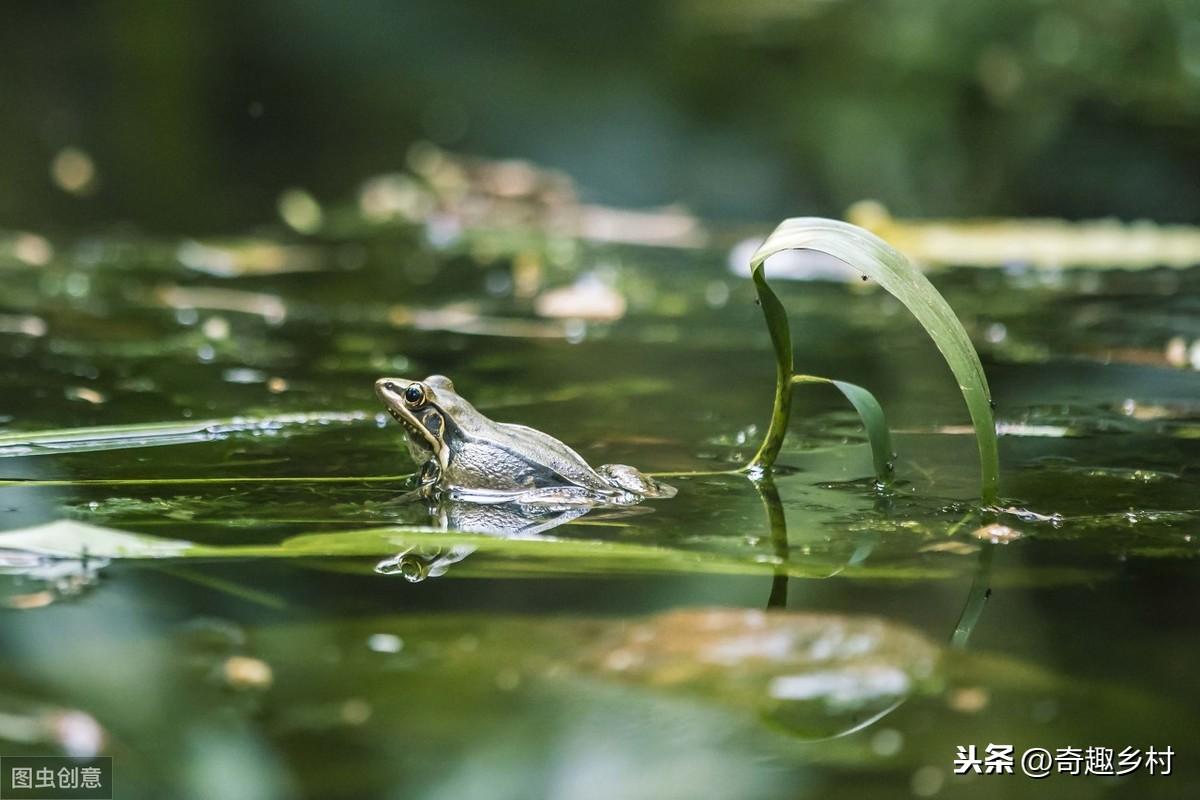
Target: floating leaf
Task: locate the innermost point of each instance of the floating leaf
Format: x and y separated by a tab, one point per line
157	434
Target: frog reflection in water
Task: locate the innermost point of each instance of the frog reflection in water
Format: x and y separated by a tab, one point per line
508	520
463	454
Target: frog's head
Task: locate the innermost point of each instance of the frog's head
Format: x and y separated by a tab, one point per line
426	409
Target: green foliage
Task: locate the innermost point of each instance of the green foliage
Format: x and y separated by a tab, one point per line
873	419
875	259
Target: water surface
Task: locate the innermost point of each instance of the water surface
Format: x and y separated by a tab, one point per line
256	614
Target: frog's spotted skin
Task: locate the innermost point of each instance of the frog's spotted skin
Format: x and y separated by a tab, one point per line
468	456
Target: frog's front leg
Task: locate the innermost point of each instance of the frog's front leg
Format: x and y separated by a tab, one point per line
428	479
634	481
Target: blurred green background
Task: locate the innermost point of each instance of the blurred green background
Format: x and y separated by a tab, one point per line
193	117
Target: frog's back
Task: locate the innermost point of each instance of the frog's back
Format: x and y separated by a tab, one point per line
515	458
559	463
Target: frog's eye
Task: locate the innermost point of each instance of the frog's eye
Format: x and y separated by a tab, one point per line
414	395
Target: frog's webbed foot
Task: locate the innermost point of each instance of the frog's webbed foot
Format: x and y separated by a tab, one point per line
635	481
415	565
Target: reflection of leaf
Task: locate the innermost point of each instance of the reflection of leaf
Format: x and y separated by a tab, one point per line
876	259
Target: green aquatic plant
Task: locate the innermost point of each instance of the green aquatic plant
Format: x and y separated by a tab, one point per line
159	434
875	259
879	436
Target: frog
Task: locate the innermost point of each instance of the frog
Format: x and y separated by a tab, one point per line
462	454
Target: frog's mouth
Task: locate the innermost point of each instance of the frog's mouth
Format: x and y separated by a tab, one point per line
418	435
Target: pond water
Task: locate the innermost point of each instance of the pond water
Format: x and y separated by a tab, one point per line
239	603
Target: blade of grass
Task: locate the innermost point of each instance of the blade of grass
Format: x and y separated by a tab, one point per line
873	420
874	258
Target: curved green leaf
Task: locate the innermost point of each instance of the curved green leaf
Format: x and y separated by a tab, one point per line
876	259
873	420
